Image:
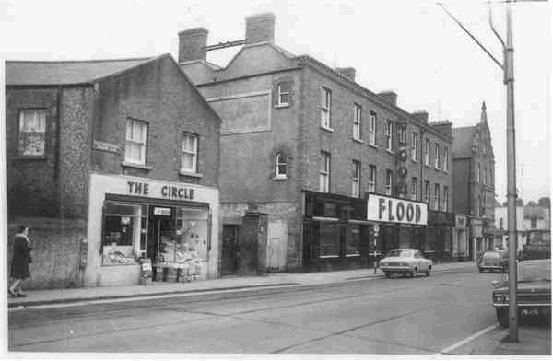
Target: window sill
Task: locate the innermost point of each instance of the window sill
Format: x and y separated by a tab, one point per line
414	160
358	141
280	177
133	165
119	264
353	255
31	157
390	151
373	145
190	174
334	256
282	106
327	129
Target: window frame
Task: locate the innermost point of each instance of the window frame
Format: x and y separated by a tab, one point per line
324	172
478	172
326	108
372	128
279	164
415	188
414	147
427	155
281	92
26	134
427	191
389	135
357	121
437	196
389	182
446	159
143	142
445	199
372	178
194	154
437	155
356	179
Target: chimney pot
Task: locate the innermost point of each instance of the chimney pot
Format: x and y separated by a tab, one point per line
348	72
390	96
260	28
192	43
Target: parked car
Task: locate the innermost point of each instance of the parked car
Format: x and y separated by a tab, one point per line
533	291
493	261
406	262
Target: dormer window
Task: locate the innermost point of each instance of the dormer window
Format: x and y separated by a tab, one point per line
281	166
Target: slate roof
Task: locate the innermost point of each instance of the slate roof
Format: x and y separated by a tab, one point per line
462	141
66	72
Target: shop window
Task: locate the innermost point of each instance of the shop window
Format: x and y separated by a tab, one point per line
124	232
32	129
353	239
191	242
328	235
135	142
189	153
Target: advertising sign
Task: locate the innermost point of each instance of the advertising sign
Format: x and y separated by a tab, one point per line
393	210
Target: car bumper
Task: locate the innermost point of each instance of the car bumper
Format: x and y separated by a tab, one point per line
528	309
397	268
494	267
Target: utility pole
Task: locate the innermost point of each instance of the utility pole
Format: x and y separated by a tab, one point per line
508	80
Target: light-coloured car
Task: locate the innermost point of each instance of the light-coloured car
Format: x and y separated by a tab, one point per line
405	261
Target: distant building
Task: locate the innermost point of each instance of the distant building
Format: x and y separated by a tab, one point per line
529	218
304	147
109	162
474	187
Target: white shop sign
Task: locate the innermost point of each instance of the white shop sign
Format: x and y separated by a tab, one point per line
393	210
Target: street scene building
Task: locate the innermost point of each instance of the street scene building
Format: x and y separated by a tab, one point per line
474	189
110	163
303	145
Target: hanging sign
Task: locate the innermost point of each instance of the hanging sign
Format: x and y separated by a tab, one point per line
393	210
159	211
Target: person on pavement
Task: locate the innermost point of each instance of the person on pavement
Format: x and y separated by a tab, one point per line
20	261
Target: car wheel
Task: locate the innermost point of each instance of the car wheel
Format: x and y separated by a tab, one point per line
428	272
480	270
503	316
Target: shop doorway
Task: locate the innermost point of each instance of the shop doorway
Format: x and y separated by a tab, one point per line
161	232
229	256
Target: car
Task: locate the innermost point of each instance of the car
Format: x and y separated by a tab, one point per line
405	261
533	291
493	261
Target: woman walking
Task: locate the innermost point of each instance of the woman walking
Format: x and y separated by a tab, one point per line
20	261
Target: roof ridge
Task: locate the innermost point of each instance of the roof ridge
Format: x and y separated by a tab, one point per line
81	61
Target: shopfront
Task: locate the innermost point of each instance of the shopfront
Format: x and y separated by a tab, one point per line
132	221
439	235
460	238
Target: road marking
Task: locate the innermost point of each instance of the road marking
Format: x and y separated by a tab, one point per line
468	339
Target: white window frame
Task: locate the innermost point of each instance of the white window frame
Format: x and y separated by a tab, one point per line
437	156
355	179
427	154
478	172
356	121
324	173
283	92
415	190
414	146
446	159
427	192
372	128
191	151
437	196
326	108
279	163
372	178
389	135
389	182
32	124
131	139
445	200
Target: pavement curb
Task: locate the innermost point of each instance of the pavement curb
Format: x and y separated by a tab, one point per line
114	297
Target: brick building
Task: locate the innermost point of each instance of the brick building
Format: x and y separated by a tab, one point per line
303	149
474	188
109	162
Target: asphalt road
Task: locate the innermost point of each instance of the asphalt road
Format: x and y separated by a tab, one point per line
398	316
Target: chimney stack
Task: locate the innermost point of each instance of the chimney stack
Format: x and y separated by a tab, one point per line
260	28
421	115
348	72
192	43
390	96
445	127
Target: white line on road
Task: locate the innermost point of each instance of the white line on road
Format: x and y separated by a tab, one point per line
468	339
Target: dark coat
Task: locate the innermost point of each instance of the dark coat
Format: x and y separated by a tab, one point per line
21	258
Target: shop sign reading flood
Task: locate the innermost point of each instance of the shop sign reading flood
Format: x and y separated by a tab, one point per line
393	210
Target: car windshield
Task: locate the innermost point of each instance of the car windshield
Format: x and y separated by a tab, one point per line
406	253
534	271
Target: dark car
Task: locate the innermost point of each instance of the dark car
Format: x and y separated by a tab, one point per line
533	291
493	261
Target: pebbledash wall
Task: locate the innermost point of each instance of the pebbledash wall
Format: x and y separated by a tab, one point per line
60	195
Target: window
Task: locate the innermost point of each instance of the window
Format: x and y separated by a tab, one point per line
281	166
427	152
189	152
372	178
446	198
329	236
437	197
283	95
534	222
135	145
478	172
401	134
437	156
414	189
355	178
389	132
324	173
389	181
427	191
32	130
372	128
414	146
501	223
325	108
357	122
353	240
446	159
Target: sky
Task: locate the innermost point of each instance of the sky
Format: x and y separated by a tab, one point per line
409	46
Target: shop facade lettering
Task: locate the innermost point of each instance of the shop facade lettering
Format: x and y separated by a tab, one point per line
394	210
161	191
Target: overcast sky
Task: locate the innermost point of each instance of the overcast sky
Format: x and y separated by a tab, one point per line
412	47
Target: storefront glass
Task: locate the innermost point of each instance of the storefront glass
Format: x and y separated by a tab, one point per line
353	240
329	238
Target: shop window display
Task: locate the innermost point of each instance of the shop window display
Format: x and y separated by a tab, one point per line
328	234
353	238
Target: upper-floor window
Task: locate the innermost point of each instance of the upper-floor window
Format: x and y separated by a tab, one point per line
135	142
478	172
281	165
389	182
401	136
372	178
437	197
414	189
414	146
437	156
324	172
283	94
326	104
355	178
32	130
189	152
389	134
427	152
427	191
533	222
446	158
501	223
357	122
446	198
372	128
485	175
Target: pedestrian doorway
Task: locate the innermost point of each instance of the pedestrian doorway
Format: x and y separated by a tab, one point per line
161	233
229	255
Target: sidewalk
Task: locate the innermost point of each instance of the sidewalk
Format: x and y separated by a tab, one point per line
74	295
